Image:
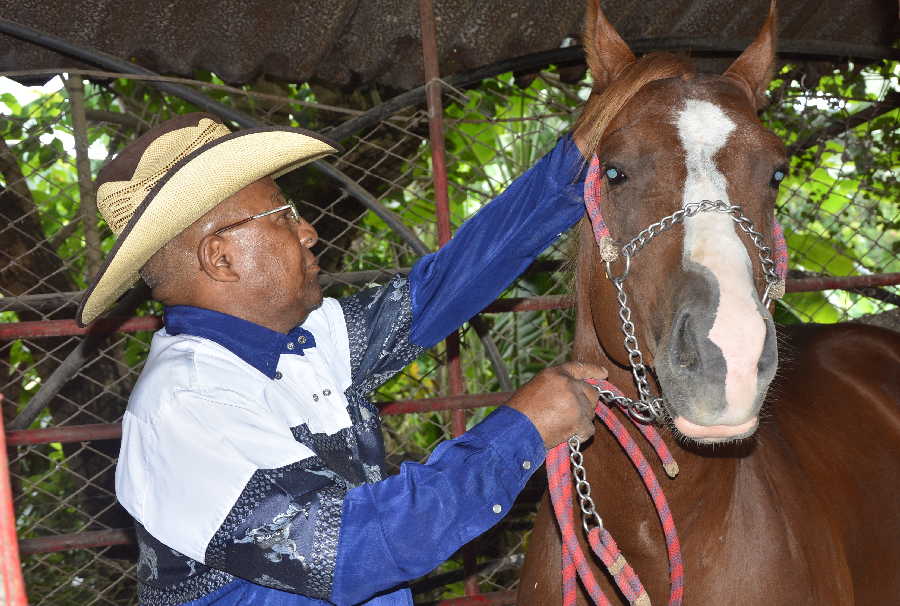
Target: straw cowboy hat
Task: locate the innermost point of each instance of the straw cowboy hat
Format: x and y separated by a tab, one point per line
173	175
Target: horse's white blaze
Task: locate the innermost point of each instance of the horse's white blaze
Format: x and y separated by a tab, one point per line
711	241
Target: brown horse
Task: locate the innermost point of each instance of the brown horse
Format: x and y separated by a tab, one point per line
794	502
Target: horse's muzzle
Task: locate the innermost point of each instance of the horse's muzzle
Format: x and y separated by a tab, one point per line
694	375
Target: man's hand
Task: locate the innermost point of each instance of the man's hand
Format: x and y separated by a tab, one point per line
559	402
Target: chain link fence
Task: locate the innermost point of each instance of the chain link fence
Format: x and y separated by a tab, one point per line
838	207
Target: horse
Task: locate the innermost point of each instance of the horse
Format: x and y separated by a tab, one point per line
788	438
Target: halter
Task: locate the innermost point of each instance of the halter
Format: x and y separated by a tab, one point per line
648	408
643	413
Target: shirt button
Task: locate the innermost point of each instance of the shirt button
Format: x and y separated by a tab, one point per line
301	339
326	392
497	508
278	374
315	397
526	465
290	346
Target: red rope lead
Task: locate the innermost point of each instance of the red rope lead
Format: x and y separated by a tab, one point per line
628	582
673	545
574	562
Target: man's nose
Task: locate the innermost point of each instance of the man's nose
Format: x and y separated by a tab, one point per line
307	233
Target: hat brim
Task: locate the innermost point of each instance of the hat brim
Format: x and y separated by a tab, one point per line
189	190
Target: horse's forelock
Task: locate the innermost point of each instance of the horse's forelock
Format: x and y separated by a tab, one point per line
606	104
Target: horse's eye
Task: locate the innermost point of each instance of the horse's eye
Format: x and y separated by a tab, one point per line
615	176
777	177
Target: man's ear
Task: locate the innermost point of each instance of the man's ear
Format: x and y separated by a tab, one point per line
215	257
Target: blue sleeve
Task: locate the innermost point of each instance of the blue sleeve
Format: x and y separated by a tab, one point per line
402	527
492	248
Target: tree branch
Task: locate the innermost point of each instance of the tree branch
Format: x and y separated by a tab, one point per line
833	129
87	198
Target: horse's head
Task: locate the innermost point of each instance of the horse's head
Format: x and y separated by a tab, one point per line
667	137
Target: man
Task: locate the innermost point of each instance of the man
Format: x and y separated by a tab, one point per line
251	458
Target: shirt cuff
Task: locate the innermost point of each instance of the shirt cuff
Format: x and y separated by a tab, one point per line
513	437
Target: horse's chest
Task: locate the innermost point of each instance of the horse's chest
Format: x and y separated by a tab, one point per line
766	540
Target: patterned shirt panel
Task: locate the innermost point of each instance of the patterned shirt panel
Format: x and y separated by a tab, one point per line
379	324
237	489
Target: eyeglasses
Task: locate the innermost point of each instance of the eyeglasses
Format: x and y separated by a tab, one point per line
289	206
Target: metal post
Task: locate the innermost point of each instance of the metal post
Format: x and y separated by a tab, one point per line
442	206
12	585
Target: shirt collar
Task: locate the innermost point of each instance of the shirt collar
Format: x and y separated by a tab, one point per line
256	345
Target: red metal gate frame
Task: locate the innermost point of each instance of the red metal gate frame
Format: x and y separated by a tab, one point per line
434	104
12	584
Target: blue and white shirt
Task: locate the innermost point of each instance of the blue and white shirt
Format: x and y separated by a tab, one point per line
253	462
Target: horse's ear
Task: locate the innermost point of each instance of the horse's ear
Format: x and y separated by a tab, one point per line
754	67
607	54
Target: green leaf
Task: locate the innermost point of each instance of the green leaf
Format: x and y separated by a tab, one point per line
812	307
819	254
11	102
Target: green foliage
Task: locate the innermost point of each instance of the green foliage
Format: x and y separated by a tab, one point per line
838	204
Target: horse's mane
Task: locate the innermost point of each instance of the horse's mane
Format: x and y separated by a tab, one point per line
603	105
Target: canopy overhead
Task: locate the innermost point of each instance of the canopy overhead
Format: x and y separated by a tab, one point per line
350	43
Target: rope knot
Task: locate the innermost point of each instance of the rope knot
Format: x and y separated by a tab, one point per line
776	289
609	252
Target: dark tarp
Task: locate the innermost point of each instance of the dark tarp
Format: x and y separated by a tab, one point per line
349	43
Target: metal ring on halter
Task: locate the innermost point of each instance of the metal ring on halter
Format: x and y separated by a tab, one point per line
624	274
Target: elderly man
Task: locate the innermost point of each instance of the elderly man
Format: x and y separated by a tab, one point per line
251	459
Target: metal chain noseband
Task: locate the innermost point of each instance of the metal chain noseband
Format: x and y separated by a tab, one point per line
692	209
647	408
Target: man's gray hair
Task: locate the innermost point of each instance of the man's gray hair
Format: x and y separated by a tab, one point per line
169	266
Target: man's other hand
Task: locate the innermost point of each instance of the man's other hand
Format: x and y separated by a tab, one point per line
559	402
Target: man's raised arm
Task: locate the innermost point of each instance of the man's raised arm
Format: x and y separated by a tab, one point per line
496	245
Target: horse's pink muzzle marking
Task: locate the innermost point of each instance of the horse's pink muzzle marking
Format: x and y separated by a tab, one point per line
715	433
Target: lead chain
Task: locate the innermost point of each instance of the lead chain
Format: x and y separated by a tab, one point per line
590	519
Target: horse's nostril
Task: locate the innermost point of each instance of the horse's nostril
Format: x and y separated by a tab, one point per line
688	359
768	359
684	354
